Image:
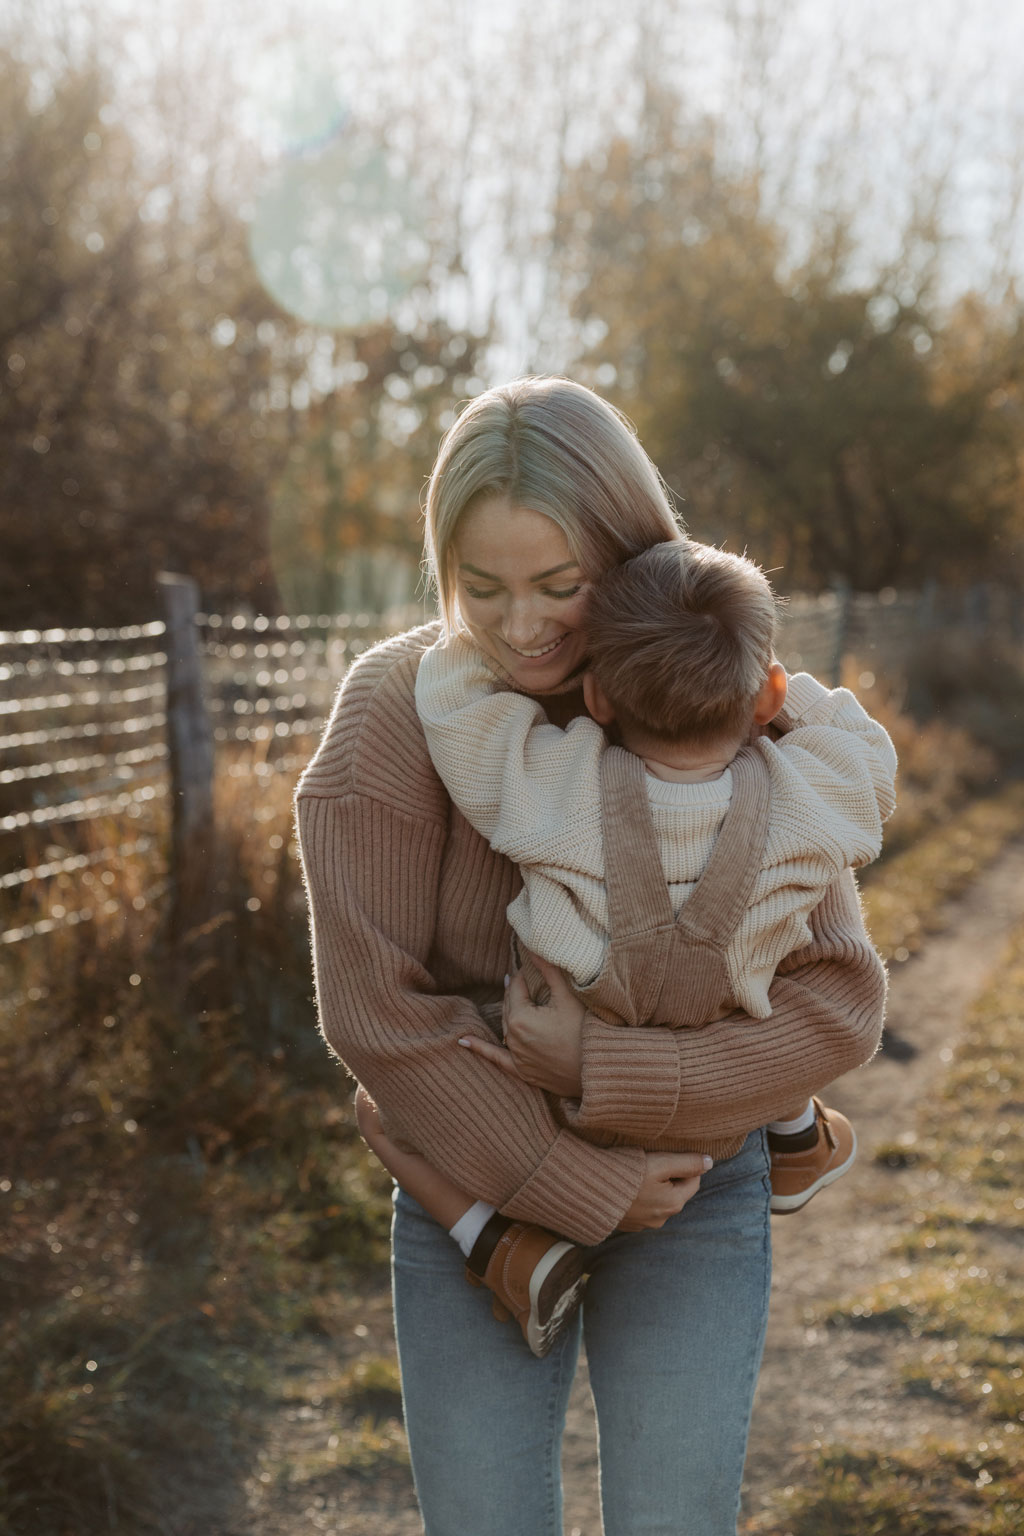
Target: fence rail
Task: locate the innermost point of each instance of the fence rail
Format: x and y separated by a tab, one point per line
78	752
244	690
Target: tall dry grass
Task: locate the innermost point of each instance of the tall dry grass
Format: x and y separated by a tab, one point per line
178	1175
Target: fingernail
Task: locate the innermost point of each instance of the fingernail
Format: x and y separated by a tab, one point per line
465	1041
709	1162
507	980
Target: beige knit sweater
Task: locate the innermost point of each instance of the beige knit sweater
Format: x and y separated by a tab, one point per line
534	792
408	908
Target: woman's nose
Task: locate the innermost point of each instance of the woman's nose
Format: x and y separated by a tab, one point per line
522	623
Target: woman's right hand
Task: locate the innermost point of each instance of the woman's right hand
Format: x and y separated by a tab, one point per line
670	1179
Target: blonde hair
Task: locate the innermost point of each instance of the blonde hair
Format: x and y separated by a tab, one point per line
555	447
680	640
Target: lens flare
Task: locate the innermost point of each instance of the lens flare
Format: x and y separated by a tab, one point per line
336	235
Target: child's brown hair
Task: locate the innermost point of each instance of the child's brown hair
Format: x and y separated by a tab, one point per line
681	638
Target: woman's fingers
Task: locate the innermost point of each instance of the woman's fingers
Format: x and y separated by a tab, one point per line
554	977
670	1180
492	1051
517	994
677	1165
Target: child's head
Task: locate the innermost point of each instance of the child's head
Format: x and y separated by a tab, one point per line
681	640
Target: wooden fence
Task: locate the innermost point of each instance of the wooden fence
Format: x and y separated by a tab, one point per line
123	727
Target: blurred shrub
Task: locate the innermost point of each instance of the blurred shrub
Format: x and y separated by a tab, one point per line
942	765
974	682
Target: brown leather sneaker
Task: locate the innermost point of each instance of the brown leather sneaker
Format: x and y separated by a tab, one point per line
797	1176
538	1279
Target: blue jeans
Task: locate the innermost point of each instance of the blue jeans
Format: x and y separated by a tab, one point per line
674	1323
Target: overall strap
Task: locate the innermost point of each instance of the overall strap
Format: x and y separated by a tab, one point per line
638	898
722	895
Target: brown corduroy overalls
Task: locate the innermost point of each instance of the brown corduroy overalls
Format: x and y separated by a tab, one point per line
663	969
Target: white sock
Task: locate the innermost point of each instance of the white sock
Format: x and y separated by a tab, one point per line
468	1227
792	1127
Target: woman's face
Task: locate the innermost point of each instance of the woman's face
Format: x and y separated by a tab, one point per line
521	592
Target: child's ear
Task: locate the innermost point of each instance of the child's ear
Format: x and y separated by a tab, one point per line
596	701
772	695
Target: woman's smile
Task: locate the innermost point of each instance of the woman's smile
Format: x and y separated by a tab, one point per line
538	653
535	655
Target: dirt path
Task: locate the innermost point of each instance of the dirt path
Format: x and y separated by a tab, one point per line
849	1381
816	1385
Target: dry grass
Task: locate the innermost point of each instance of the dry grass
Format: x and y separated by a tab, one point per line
179	1172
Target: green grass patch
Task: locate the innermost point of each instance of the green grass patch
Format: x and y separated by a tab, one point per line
934	1490
367	1450
972	1372
372	1387
363	1437
959	1299
371	1449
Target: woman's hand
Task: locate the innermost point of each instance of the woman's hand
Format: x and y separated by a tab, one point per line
670	1179
367	1114
543	1043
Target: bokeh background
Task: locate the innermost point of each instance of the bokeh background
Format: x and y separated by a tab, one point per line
253	257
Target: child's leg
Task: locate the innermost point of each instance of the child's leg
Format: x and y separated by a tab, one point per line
808	1150
800	1118
534	1276
438	1196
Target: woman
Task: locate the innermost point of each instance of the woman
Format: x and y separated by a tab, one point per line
539	486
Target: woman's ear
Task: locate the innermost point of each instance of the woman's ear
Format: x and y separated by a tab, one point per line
772	695
596	701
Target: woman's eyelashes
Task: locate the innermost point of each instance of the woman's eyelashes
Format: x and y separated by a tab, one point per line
480	594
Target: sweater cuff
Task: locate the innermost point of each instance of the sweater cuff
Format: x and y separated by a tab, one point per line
803	694
630	1080
579	1190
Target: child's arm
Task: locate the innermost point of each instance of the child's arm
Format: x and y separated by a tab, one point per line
531	789
438	1196
836	768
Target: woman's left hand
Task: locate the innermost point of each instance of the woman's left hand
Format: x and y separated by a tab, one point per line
543	1043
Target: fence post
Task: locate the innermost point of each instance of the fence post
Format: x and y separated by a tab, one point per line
190	746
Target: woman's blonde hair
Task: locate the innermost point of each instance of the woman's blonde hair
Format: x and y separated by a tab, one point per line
555	447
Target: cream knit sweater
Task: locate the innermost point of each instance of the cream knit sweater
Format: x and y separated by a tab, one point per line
534	792
408	908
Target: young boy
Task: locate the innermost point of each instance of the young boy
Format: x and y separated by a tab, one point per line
683	672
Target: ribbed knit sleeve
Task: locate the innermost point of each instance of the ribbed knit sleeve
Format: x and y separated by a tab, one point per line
399	888
828	1002
834	769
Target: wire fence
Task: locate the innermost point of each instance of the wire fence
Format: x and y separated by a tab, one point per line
87	776
96	767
